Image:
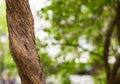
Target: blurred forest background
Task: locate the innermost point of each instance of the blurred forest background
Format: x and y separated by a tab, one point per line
77	38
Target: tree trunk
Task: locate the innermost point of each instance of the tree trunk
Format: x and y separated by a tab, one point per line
22	42
113	76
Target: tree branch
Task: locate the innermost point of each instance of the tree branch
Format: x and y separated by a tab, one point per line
117	63
76	45
107	45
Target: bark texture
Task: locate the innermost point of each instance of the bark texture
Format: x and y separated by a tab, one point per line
22	41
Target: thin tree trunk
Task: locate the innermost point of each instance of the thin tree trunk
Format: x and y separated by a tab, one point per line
112	73
106	49
22	41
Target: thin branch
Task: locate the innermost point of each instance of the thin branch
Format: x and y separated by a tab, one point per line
91	52
117	63
76	45
107	45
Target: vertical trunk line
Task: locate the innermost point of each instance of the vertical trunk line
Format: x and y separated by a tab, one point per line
106	47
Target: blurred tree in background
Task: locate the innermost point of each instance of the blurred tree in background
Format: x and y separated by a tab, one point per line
84	29
83	38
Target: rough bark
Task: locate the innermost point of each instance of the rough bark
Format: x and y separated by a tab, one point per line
22	42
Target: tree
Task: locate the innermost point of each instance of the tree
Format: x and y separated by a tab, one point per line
22	42
112	74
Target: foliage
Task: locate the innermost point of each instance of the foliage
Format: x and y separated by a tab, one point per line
78	27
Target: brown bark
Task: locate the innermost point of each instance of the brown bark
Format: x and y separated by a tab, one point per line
112	73
114	76
106	47
22	41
